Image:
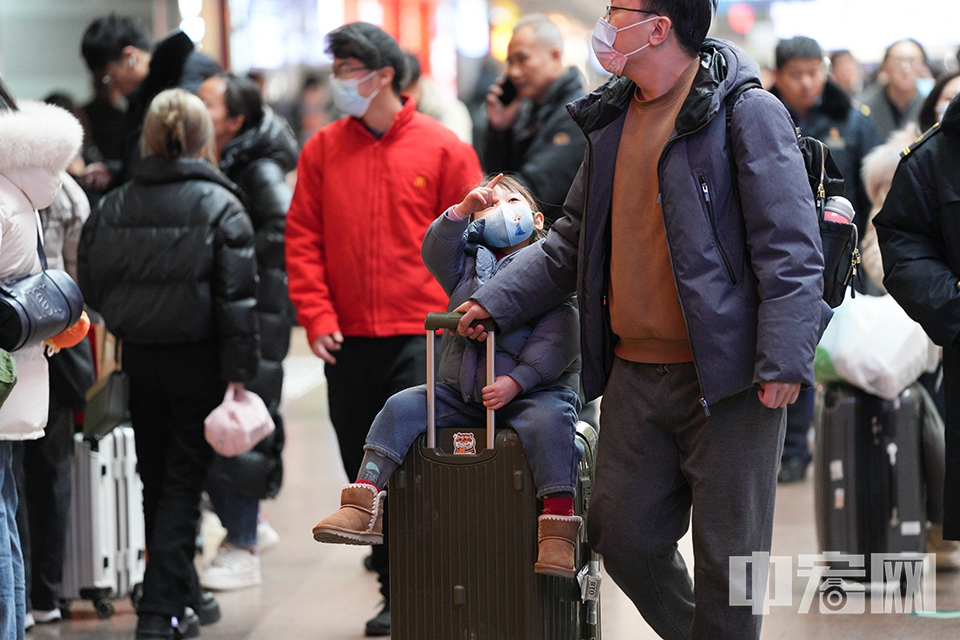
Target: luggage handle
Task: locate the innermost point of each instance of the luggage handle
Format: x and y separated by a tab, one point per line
893	485
450	320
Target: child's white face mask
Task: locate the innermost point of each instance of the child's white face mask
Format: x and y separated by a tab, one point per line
508	225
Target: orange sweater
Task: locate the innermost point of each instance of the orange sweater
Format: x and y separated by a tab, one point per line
644	308
358	216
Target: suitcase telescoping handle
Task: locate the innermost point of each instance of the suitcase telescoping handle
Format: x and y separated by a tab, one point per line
450	320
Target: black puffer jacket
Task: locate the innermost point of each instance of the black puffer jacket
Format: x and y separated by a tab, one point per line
258	160
168	258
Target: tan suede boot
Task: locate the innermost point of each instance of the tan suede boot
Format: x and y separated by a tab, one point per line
359	519
556	540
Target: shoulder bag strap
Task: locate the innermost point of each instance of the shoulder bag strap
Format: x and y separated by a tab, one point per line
43	256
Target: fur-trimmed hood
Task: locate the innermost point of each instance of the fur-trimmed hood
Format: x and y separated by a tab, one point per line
38	136
37	142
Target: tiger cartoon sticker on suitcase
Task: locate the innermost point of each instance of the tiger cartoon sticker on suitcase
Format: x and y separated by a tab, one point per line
464	444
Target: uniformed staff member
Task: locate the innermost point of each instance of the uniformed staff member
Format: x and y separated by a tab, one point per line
919	233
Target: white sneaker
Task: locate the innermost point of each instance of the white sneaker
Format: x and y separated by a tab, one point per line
44	617
267	536
233	568
29	622
212	535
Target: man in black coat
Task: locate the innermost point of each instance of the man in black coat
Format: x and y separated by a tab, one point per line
118	53
919	233
822	110
532	136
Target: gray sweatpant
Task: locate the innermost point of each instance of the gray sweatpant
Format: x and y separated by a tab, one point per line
658	455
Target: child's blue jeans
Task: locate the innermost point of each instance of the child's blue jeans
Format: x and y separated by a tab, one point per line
545	420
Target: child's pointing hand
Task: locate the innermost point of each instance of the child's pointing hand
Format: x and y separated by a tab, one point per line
479	199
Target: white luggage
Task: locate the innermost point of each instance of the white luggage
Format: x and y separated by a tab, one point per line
105	556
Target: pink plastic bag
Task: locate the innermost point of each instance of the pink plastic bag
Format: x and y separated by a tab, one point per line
239	423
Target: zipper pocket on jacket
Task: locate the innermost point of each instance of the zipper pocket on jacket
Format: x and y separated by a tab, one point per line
713	228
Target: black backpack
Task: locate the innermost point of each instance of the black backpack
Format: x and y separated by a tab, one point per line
840	253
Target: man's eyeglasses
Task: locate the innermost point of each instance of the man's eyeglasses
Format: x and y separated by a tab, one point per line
343	72
905	61
611	8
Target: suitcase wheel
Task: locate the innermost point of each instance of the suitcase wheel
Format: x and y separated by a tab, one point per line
104	607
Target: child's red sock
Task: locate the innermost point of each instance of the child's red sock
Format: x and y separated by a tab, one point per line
362	481
558	505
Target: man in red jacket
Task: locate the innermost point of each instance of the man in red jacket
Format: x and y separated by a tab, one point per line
368	186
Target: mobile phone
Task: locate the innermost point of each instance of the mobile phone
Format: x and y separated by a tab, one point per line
509	92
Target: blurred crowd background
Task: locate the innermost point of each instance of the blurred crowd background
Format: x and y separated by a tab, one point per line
460	44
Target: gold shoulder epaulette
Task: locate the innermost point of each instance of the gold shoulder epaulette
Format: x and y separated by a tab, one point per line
919	141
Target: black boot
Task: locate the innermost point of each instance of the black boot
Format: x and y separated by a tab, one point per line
154	625
208	611
379	625
189	625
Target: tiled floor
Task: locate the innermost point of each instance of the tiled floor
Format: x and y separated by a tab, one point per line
321	592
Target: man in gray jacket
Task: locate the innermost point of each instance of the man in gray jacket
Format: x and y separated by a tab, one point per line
700	306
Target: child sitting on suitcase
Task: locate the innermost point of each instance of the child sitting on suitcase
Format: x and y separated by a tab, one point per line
535	391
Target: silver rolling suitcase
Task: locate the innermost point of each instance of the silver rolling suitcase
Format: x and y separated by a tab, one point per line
106	552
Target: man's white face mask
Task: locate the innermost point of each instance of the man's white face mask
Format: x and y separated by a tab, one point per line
346	95
604	35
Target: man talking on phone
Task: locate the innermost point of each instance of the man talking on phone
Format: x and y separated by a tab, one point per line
529	133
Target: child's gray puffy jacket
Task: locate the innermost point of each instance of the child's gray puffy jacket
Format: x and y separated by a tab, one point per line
542	352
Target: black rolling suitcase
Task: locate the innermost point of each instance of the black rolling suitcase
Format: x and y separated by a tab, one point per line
868	473
463	538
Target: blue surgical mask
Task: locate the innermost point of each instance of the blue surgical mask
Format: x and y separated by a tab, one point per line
507	225
925	86
346	95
